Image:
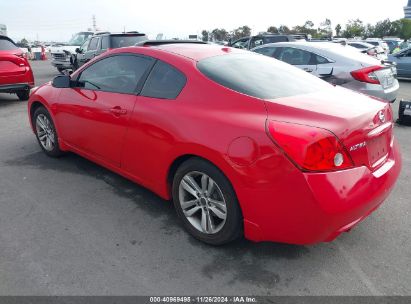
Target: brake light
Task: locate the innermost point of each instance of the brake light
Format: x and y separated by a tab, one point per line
309	148
367	74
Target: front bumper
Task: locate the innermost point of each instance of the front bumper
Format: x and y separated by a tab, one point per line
61	64
317	207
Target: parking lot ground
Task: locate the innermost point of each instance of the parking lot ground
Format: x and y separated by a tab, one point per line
70	227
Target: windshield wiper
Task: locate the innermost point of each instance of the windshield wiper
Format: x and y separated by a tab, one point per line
93	84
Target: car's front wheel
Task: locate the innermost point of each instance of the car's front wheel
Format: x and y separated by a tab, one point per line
206	202
46	132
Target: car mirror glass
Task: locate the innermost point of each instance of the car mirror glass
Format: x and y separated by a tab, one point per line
62	81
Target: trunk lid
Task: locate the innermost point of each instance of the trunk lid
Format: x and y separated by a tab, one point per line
12	63
363	124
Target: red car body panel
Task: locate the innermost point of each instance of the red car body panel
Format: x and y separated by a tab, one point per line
15	69
279	201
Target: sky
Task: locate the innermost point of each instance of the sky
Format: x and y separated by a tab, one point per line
50	20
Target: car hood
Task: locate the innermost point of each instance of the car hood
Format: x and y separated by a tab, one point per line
61	49
352	117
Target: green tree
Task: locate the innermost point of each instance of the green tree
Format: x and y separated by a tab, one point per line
205	35
219	35
354	28
242	31
338	29
272	29
283	29
325	28
24	41
405	31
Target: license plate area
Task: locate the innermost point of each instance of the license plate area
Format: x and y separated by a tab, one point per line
378	148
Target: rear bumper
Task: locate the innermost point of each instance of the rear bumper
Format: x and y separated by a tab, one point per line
16	87
317	207
376	90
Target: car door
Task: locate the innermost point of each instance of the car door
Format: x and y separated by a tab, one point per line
299	58
403	60
81	56
93	115
92	49
149	137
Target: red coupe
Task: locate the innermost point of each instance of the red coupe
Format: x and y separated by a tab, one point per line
242	143
16	75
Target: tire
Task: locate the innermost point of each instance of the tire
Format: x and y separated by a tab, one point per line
404	119
23	95
60	70
46	132
205	205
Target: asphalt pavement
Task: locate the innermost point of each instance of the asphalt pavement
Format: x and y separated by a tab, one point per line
70	227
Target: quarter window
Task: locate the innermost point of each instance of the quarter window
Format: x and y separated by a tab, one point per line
295	56
164	82
120	74
93	44
104	43
268	51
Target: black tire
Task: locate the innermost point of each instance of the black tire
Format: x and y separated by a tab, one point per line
61	70
23	95
403	119
233	226
55	150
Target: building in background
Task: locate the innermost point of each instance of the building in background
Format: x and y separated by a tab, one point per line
407	10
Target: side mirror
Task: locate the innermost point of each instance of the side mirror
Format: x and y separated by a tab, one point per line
78	51
62	81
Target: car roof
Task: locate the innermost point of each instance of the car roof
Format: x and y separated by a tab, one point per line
314	45
195	51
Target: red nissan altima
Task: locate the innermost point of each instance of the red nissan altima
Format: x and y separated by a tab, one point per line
242	143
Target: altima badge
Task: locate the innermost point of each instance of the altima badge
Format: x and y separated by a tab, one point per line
358	146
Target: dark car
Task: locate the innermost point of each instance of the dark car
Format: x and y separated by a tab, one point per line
16	76
102	42
251	42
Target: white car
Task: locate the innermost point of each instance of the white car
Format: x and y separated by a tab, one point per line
379	42
339	65
369	49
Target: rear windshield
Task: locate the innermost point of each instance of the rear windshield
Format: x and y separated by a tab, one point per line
123	41
259	76
6	45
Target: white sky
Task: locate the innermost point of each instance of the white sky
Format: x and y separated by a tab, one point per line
58	20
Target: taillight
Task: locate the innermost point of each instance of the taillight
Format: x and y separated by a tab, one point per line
367	74
310	148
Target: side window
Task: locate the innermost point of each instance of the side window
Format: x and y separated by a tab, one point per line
120	74
268	51
319	59
295	56
241	44
164	82
84	46
104	43
93	44
257	41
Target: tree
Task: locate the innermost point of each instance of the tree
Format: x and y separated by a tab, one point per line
405	31
354	28
205	35
219	35
338	29
242	31
24	41
386	28
325	28
272	29
283	29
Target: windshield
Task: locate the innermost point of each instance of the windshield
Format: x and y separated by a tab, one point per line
259	76
123	41
79	38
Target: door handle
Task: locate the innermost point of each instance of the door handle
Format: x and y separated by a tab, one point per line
118	111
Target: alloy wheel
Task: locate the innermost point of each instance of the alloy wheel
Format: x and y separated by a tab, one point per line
45	132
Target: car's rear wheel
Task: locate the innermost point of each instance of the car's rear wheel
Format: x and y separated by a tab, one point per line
46	132
206	202
23	95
